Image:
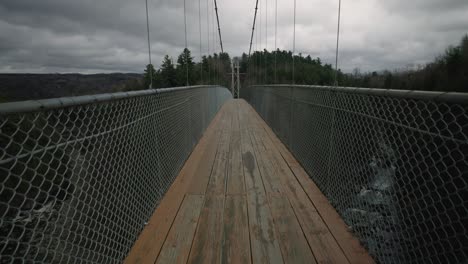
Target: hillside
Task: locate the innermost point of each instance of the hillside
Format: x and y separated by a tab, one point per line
18	87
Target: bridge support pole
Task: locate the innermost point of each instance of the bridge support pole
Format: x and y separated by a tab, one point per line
235	78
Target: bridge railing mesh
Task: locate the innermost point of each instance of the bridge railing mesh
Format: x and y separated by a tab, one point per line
80	176
393	163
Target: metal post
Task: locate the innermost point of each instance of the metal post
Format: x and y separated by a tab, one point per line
238	80
232	79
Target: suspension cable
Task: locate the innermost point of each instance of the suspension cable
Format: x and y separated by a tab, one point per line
208	39
257	55
276	47
266	41
219	28
213	32
185	54
260	44
149	48
337	43
253	27
201	49
294	45
266	24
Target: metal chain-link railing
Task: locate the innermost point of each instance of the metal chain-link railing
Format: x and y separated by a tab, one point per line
80	176
393	163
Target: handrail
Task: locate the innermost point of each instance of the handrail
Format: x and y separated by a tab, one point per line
54	103
453	97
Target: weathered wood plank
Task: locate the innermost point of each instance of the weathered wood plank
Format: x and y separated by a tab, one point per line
263	238
271	181
321	241
293	244
151	239
235	177
253	180
202	175
353	250
206	247
236	244
177	246
264	244
217	182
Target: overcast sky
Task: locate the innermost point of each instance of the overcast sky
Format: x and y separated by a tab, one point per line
90	36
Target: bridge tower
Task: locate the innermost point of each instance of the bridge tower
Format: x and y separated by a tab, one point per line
235	78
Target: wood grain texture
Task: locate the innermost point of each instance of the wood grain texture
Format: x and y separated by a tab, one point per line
236	241
179	241
292	241
151	239
263	238
206	247
353	250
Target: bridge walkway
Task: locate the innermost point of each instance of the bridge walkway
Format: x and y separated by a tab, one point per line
241	197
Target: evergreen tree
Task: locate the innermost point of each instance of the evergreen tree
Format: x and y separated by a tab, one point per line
150	72
184	61
168	73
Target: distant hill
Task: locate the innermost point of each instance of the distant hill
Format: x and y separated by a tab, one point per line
19	87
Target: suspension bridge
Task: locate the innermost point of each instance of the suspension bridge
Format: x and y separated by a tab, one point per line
272	173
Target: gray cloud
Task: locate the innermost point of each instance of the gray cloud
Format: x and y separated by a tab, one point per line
110	35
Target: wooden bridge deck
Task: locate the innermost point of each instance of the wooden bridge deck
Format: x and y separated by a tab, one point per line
241	197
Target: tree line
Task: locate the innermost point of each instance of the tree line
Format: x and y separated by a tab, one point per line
211	70
448	72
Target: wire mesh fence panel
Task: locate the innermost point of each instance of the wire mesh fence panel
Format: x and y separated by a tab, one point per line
393	163
81	176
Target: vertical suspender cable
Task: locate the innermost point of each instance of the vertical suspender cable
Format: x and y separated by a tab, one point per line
201	51
252	35
208	39
257	55
149	47
276	47
219	27
294	45
260	45
213	31
266	24
185	54
266	40
253	28
337	43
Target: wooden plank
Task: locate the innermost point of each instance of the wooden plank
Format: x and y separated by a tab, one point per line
353	250
151	239
264	244
177	246
235	176
206	247
202	175
217	182
236	246
321	241
292	241
351	247
263	238
253	180
271	182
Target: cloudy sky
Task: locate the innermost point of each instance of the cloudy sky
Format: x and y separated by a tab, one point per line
90	36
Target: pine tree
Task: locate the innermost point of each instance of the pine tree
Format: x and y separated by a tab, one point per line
149	72
168	73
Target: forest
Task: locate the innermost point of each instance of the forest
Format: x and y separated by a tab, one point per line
447	72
